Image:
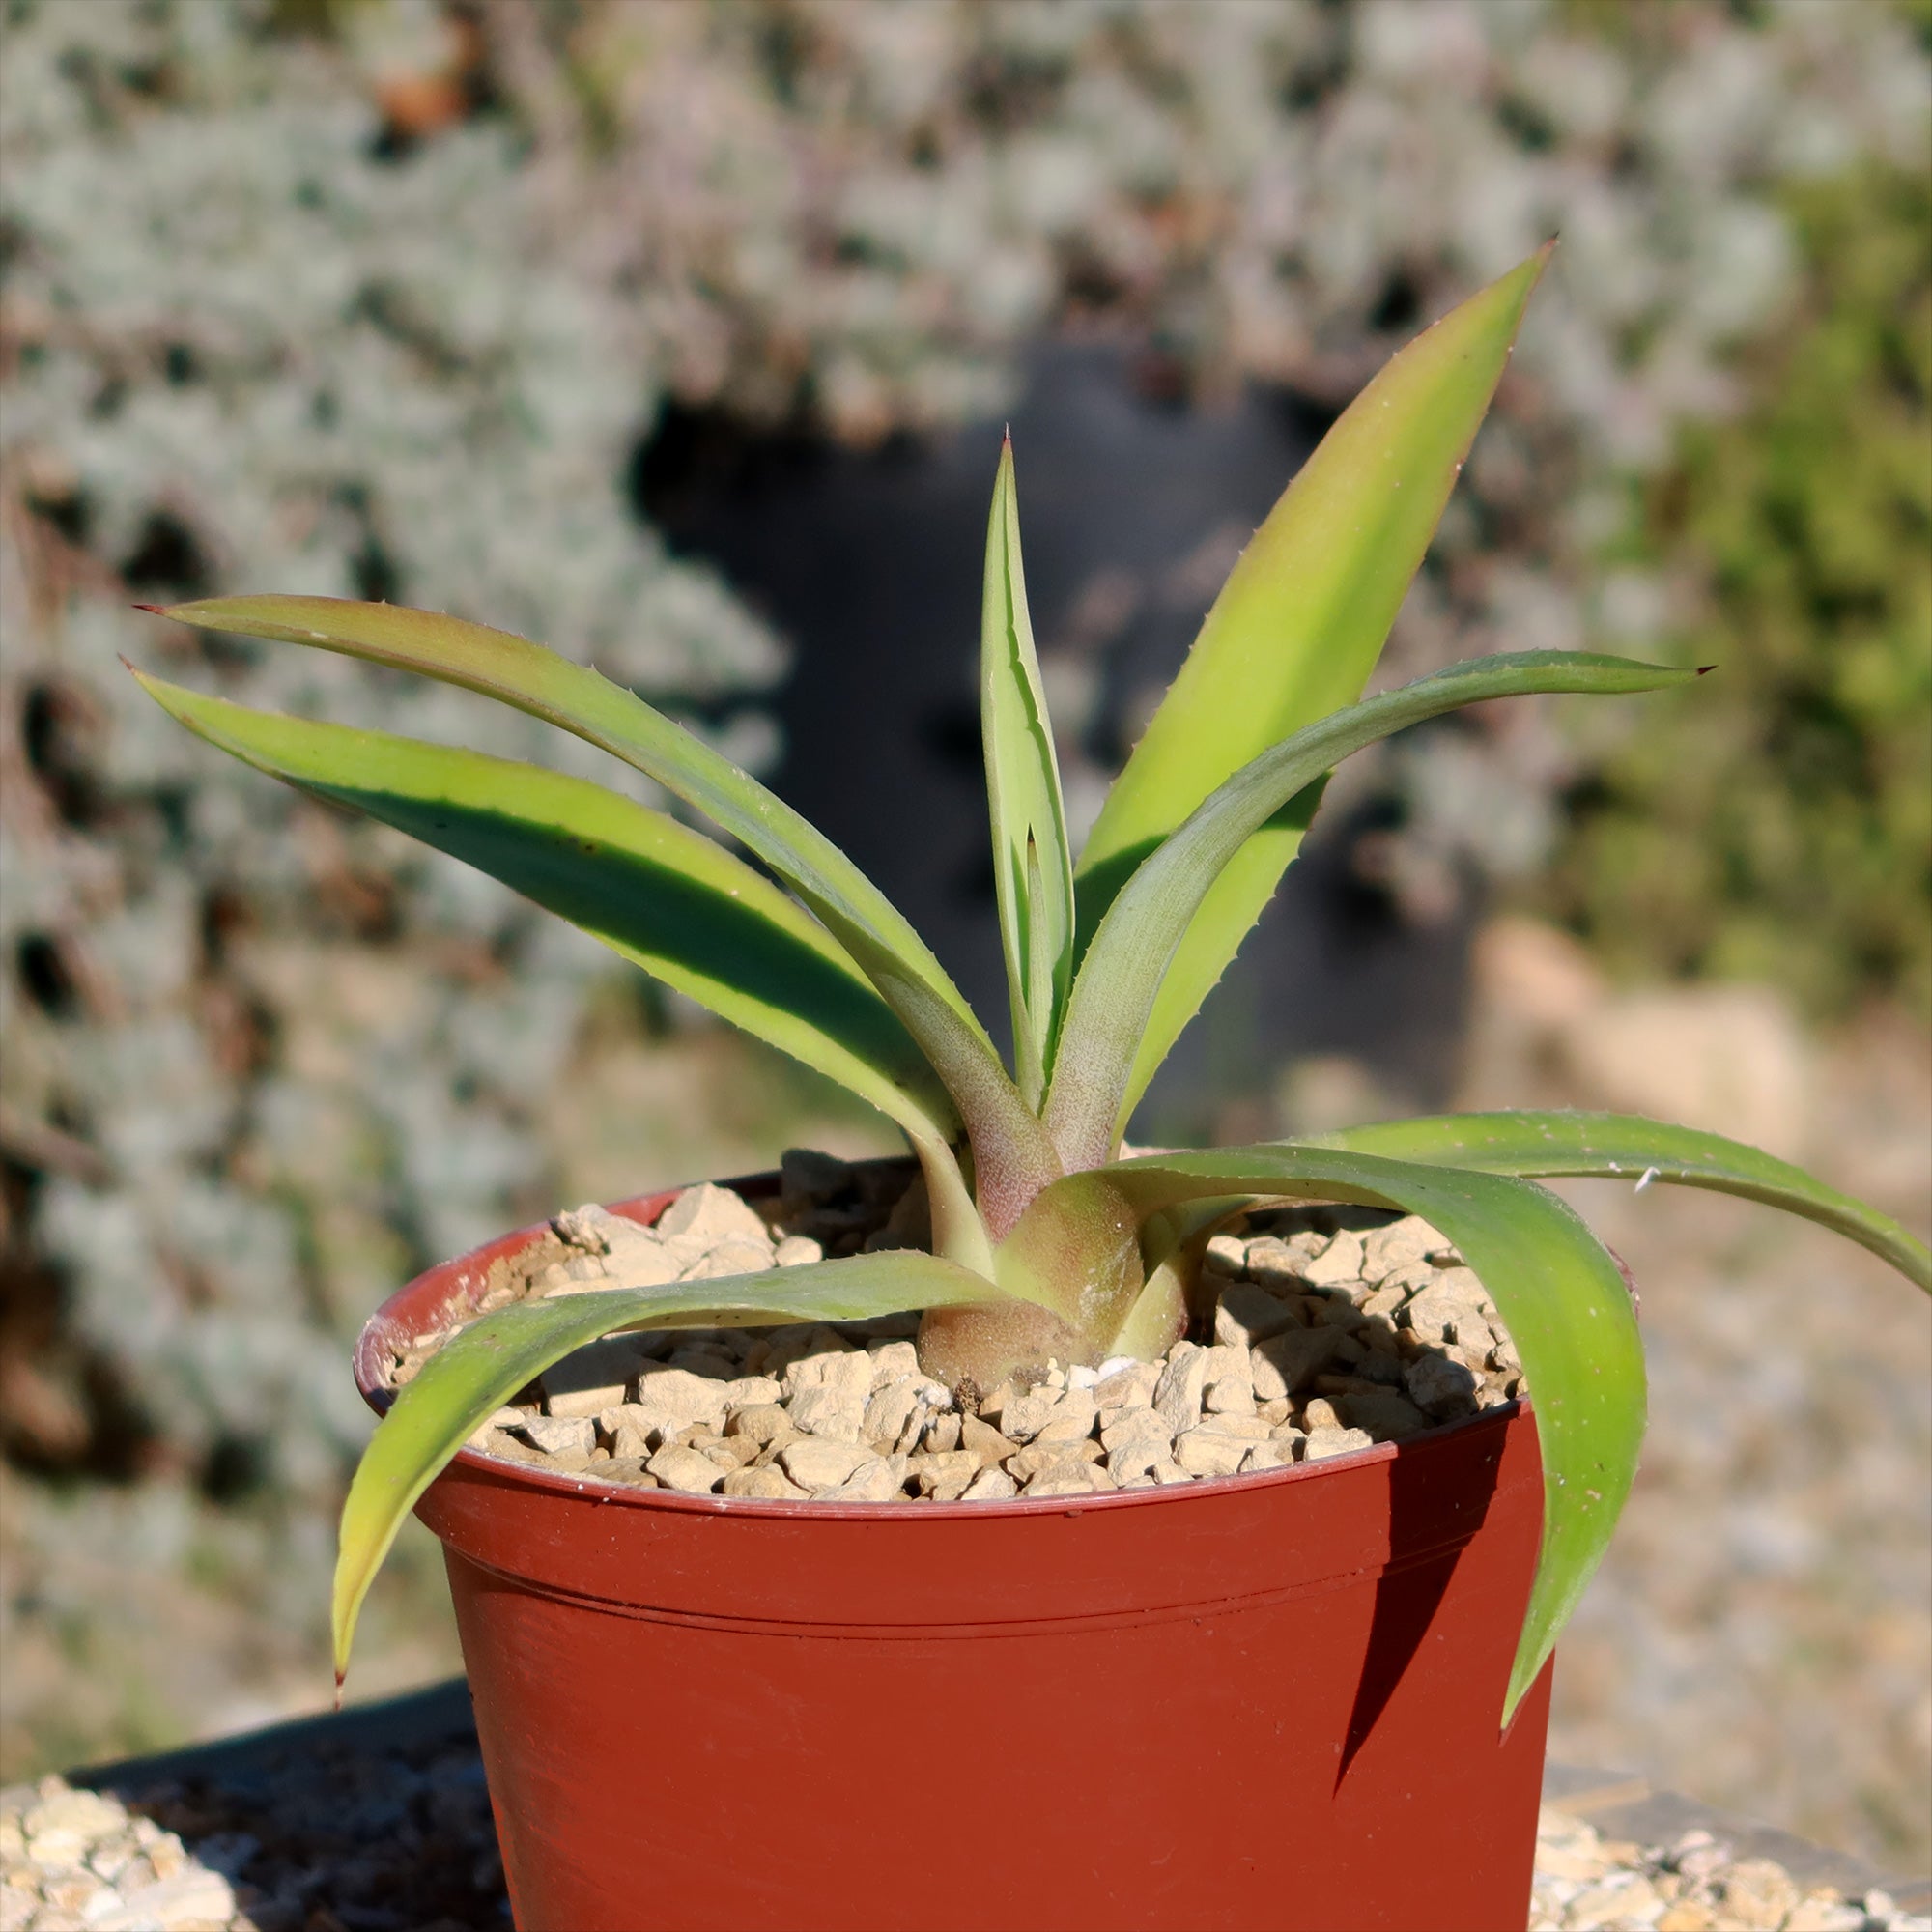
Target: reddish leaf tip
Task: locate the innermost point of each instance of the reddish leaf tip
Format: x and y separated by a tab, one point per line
1702	670
152	610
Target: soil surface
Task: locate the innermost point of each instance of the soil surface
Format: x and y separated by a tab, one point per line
1323	1331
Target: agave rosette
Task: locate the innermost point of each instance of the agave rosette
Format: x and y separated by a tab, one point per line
1045	1241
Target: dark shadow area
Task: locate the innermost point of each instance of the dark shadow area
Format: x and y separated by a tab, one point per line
1133	508
376	1819
1423	1496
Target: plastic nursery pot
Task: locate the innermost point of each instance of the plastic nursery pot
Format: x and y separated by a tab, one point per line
1266	1701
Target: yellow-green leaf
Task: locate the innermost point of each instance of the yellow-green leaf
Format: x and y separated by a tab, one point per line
484	1365
1033	870
1297	630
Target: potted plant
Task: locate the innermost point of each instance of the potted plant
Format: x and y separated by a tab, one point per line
1310	1694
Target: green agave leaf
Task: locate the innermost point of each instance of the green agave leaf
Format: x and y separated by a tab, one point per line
516	672
1121	977
484	1365
1553	1283
664	896
1297	630
1625	1146
1032	869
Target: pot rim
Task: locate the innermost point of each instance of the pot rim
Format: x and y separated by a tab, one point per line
376	1332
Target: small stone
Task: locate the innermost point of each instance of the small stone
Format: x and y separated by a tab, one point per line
751	1392
761	1422
879	1479
943	1474
990	1485
1341	1261
1319	1412
1323	1444
593	1377
1138	1451
764	1484
730	1257
1182	1382
560	1435
820	1463
1758	1895
728	1452
1127	1385
897	1415
1208	1450
1440	1385
1384	1301
1387	1416
83	1815
893	1362
629	1470
1025	1463
712	1214
1696	1853
1285	1364
797	1340
1693	1914
1334	1310
688	1471
192	1897
1454	1300
1626	1899
670	1400
1265	1455
646	1263
1225	1254
1024	1416
984	1441
1399	1244
835	1413
1229	1386
1071	1420
943	1433
1068	1476
798	1251
1825	1912
847	1370
1275	1264
1248	1315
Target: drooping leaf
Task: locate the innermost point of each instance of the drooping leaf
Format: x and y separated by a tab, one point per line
1623	1147
664	896
512	669
1553	1283
1297	630
1121	976
1033	870
481	1367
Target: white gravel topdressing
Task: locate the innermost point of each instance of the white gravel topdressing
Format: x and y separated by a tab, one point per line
1333	1331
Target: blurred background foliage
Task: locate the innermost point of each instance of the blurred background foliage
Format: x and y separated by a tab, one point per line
1779	829
397	298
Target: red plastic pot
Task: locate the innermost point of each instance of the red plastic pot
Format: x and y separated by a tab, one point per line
1265	1702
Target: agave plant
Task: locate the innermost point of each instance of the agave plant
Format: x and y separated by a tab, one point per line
1046	1244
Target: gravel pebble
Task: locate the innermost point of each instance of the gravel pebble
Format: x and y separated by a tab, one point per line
1327	1341
403	1838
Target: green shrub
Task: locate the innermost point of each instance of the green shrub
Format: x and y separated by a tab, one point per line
1780	829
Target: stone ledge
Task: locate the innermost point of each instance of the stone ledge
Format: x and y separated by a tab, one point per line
377	1819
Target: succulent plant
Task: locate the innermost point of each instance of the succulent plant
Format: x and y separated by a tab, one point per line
1046	1242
